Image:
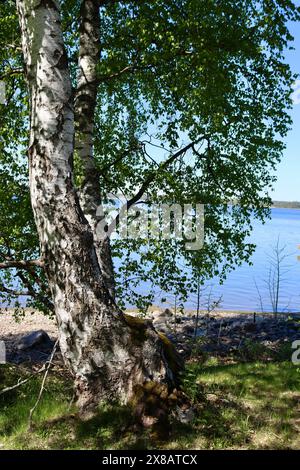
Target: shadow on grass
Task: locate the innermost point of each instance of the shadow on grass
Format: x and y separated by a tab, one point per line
246	405
254	405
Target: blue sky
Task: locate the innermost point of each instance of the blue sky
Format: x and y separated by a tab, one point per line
287	187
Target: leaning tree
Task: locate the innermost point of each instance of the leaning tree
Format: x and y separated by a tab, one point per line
174	101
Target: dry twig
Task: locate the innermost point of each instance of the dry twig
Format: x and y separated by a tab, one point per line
42	386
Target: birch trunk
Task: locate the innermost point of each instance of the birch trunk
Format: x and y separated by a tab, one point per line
109	356
85	105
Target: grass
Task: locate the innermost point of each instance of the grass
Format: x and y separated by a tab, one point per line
248	405
252	405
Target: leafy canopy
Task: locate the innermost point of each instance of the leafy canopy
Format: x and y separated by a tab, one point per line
171	73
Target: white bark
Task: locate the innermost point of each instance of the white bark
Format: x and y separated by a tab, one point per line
85	105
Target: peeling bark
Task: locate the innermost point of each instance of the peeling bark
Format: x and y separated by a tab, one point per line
109	355
85	105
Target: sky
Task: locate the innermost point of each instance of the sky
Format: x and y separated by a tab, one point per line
287	187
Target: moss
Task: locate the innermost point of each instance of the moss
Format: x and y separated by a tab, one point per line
152	399
172	398
149	386
171	354
135	322
160	388
138	327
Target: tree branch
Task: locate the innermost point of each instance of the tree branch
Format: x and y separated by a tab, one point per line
210	168
35	294
11	72
42	386
27	266
22	264
118	159
128	69
151	177
13	292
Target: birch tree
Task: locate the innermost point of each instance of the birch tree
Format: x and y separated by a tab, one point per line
99	86
95	339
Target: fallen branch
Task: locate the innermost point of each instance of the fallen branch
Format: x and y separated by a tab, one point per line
22	382
42	386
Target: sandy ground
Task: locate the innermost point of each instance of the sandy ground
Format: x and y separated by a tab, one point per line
32	320
11	331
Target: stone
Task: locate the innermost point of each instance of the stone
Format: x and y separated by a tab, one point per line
171	337
188	329
162	327
185	416
35	339
168	313
250	327
148	421
159	316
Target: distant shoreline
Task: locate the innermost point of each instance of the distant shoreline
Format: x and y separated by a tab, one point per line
28	311
285	205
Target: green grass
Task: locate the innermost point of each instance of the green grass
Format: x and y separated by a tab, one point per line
238	406
247	406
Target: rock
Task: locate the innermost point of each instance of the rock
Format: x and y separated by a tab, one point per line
158	315
200	333
160	318
188	329
212	397
185	416
155	313
171	337
250	327
35	339
162	327
168	313
148	421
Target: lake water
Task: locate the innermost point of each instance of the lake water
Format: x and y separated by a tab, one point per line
246	288
239	291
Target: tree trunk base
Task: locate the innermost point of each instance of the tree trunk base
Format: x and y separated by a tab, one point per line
141	370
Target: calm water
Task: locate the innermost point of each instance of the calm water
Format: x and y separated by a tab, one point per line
239	291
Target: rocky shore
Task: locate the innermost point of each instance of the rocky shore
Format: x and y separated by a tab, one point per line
32	337
226	332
